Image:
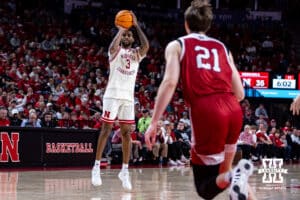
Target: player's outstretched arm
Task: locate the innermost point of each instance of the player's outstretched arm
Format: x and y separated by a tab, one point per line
142	37
115	44
166	89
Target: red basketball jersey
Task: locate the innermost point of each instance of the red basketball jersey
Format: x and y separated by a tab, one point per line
205	67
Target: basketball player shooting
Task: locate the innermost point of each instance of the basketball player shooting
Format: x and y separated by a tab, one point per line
212	88
118	100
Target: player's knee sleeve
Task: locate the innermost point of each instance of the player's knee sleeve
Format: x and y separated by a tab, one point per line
205	180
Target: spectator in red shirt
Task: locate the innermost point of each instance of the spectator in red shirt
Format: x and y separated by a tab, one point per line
74	123
31	97
65	121
264	143
3	99
97	120
64	99
152	66
144	98
272	134
279	145
3	117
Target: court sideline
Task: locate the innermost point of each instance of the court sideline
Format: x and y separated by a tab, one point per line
148	184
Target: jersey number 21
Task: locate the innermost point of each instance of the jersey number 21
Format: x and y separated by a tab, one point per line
205	54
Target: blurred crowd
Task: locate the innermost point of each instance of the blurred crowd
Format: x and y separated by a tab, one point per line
262	137
54	69
261	142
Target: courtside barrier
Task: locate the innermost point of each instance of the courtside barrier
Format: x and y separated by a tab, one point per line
28	147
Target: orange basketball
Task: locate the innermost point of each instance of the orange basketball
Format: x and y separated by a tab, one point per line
124	19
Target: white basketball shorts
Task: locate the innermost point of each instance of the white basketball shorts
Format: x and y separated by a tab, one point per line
118	108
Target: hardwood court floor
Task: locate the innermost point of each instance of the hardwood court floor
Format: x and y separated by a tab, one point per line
148	184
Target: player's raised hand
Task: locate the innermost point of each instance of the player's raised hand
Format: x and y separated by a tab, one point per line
295	106
121	28
150	136
134	19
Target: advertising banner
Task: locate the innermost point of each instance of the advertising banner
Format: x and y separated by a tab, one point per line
29	147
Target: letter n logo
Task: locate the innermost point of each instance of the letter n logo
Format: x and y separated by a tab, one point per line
106	114
9	147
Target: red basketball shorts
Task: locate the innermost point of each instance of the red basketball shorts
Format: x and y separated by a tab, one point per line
216	122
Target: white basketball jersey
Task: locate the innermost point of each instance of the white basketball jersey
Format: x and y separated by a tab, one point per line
123	70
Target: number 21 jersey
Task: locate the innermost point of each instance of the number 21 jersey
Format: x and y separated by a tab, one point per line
205	67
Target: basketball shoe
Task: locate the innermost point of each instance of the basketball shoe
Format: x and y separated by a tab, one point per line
124	177
178	162
238	189
96	178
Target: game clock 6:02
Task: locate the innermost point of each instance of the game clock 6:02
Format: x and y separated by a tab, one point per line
284	83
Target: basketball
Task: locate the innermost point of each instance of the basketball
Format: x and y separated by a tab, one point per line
124	19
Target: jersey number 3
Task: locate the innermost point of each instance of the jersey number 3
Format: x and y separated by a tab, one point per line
127	66
205	54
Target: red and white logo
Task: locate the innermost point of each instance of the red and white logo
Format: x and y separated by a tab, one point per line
9	147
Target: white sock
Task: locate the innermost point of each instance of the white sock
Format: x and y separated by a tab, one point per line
227	177
124	167
97	163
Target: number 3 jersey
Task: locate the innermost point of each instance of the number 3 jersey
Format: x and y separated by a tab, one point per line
124	66
205	67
